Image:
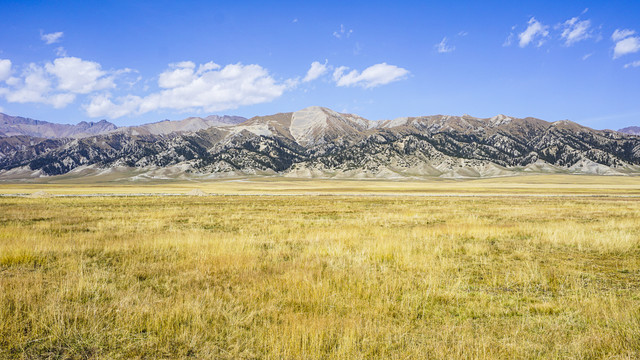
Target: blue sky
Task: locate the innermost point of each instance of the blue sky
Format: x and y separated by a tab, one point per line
135	62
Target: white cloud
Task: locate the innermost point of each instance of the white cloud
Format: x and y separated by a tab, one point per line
13	81
210	88
5	69
632	64
626	43
315	71
58	83
509	39
35	86
375	75
180	74
51	37
575	30
442	46
621	34
79	76
31	87
586	56
337	73
626	46
101	106
535	30
342	32
60	51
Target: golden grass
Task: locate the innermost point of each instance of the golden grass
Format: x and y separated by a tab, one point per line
305	277
514	185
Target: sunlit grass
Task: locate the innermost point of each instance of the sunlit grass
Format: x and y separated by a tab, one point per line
584	185
319	277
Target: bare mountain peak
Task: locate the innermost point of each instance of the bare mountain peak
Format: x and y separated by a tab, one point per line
568	124
316	108
500	119
307	125
190	124
631	130
401	121
316	125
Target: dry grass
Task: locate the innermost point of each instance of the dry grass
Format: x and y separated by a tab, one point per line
514	185
319	277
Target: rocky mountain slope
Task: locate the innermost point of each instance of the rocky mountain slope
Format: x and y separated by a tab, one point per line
319	142
180	126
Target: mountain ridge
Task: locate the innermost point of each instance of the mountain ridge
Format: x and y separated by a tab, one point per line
319	142
17	125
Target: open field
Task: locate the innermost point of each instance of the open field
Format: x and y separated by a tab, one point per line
514	185
314	277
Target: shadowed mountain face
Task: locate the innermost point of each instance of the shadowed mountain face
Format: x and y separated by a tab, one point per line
319	142
632	130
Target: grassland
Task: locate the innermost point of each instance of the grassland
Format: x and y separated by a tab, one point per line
514	185
310	277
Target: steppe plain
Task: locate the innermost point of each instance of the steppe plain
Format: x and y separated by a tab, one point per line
541	266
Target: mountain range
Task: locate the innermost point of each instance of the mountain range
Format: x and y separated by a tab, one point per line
318	142
16	126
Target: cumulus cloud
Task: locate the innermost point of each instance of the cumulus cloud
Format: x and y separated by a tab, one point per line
51	38
55	83
210	88
535	30
342	32
182	86
442	46
102	106
626	43
574	30
5	69
632	64
316	70
375	75
178	74
79	76
35	86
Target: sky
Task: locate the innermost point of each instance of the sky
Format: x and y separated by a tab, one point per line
133	62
